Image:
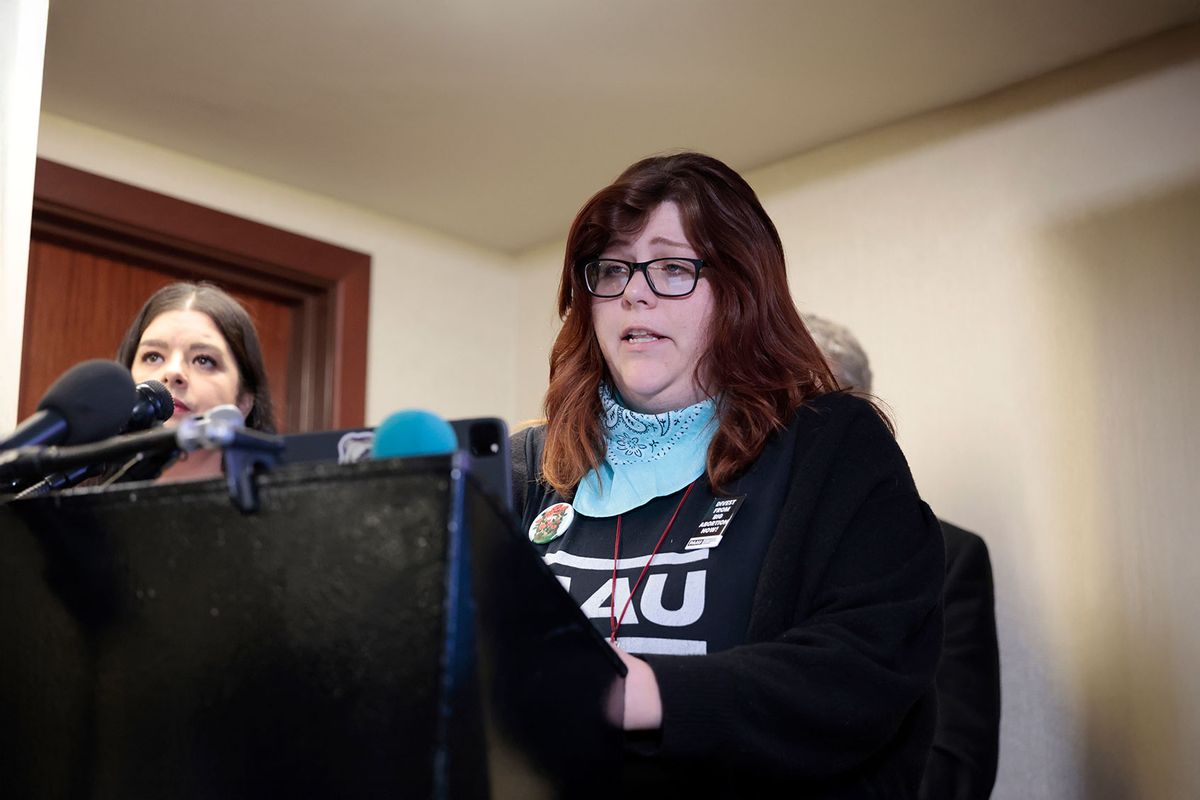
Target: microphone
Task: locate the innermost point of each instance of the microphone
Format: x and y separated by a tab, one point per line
154	404
221	428
413	433
89	401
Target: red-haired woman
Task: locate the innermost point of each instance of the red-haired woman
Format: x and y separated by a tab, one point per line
747	536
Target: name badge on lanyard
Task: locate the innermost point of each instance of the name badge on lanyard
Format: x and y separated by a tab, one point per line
712	526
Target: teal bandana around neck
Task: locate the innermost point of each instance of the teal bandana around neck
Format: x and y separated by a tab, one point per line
648	456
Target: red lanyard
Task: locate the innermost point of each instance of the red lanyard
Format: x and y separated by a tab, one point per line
614	622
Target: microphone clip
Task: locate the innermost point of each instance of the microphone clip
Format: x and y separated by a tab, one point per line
246	452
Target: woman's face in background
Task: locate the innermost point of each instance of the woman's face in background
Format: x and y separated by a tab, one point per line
652	344
185	350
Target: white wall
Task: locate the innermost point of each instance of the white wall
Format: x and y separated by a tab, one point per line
975	253
443	314
538	275
1024	271
22	46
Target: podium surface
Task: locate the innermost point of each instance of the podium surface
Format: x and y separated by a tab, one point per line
376	629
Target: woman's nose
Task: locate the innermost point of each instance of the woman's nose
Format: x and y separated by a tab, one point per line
638	290
173	373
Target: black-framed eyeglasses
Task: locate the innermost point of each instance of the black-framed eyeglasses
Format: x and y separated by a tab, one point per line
667	277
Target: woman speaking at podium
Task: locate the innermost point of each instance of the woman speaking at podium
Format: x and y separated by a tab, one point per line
202	345
748	536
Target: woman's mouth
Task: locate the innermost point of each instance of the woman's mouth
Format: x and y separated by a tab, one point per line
182	407
640	336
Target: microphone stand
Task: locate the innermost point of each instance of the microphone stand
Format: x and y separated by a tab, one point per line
60	480
246	452
246	455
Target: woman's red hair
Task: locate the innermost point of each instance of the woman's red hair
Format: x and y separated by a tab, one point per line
761	363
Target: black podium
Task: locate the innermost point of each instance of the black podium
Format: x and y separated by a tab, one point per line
374	630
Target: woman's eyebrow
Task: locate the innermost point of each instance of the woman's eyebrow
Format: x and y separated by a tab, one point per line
159	343
655	240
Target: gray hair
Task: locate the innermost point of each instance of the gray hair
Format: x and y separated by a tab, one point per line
845	355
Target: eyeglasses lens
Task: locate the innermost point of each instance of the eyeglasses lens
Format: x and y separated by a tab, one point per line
667	277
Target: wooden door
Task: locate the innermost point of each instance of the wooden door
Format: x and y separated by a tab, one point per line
79	305
99	248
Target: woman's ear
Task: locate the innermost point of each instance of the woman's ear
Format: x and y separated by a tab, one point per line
245	404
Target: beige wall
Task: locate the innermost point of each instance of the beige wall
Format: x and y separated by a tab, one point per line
1024	271
1005	264
537	275
443	314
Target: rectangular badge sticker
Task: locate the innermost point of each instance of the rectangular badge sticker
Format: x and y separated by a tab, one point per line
712	526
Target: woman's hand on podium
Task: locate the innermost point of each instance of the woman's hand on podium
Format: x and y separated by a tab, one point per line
643	703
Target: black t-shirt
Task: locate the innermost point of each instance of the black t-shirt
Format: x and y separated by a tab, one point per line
690	601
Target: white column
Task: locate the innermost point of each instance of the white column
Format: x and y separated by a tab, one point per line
22	49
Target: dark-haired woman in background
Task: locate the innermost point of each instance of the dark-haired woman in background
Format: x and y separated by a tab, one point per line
747	536
202	345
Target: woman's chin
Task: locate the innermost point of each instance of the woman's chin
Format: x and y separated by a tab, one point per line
656	397
195	466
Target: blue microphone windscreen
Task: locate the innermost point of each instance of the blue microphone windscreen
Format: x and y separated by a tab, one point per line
413	433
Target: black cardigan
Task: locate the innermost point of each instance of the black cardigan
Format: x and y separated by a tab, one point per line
833	694
966	743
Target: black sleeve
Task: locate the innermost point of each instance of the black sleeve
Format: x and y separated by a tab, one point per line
525	447
966	744
837	687
520	469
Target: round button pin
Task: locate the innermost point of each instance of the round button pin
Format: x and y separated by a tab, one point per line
551	523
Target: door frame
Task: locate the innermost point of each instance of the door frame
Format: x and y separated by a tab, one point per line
331	284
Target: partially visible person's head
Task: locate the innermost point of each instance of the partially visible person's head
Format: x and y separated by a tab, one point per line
201	343
736	337
845	355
